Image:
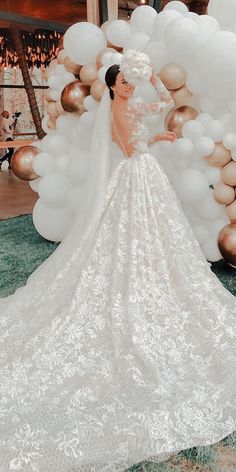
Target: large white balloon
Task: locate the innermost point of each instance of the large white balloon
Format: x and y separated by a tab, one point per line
225	13
178	6
50	221
117	32
161	22
142	19
54	188
191	186
83	41
43	163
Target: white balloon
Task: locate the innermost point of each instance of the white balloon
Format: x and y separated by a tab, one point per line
87	119
142	19
56	144
194	82
216	130
224	12
62	163
83	41
183	148
180	35
54	189
207	104
145	91
158	53
136	41
74	199
207	207
178	6
118	32
204	146
229	141
43	164
50	221
211	250
89	103
101	73
213	175
161	22
204	118
34	184
192	130
202	233
206	26
191	186
65	123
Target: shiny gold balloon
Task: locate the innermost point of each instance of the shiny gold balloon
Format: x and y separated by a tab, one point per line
181	96
101	54
177	117
71	66
173	76
88	73
73	95
230	211
229	173
21	163
219	157
97	89
227	243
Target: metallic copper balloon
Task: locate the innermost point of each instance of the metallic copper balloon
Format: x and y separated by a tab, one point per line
73	95
21	163
177	116
227	243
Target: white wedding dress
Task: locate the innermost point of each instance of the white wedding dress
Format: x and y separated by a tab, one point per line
121	347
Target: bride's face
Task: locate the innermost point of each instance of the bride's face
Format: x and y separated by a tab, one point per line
122	88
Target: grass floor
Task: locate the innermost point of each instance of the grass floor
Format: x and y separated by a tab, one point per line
22	250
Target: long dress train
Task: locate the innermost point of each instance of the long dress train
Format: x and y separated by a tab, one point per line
122	348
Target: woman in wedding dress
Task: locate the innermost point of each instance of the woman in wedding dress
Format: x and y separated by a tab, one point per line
121	346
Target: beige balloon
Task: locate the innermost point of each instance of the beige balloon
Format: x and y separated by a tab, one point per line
181	96
71	66
231	211
47	95
59	107
21	163
51	109
61	56
101	54
223	193
220	156
88	73
97	89
173	76
229	173
51	123
227	243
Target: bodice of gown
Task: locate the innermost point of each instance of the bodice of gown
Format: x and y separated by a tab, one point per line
137	111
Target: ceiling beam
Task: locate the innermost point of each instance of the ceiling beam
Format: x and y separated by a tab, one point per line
35	23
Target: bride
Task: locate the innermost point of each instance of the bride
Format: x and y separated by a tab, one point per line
121	346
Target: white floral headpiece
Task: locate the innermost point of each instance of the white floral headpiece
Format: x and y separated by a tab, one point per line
135	65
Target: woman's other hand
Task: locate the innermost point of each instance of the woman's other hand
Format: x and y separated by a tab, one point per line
168	136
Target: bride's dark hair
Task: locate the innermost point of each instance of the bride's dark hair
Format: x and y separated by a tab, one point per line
110	78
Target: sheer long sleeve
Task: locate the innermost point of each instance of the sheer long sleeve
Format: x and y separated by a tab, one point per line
140	108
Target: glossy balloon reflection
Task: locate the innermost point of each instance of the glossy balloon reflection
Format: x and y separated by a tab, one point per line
21	163
177	117
73	95
227	243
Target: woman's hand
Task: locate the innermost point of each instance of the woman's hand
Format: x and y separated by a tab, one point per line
168	136
154	78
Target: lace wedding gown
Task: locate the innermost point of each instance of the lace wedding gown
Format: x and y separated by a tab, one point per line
120	348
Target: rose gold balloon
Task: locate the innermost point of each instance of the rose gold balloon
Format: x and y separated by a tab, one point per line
177	116
219	157
227	243
51	109
230	211
101	54
173	76
71	66
223	193
181	96
88	73
21	163
97	89
61	56
73	95
229	173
